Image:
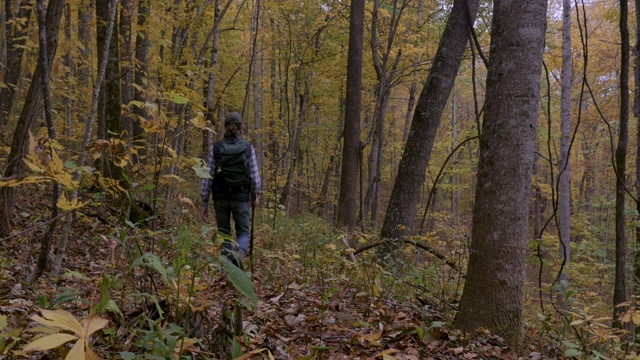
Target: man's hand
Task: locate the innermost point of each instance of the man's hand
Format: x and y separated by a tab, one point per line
205	213
256	200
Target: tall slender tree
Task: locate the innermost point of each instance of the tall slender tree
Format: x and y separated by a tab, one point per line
564	180
493	295
401	210
348	198
620	288
43	61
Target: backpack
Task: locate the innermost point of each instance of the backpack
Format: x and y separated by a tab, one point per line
232	161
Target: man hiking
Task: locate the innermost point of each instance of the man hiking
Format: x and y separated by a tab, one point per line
233	184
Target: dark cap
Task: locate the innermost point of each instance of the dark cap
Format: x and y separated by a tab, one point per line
233	118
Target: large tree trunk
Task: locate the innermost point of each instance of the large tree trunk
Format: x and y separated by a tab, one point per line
31	111
564	180
620	288
15	39
426	119
348	198
493	296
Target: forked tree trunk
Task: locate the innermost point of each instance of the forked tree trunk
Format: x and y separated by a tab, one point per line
31	111
493	296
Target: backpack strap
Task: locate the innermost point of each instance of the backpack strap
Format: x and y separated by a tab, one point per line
216	153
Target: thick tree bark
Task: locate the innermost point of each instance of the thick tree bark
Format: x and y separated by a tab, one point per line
620	288
31	111
15	39
493	296
405	195
348	198
564	180
636	113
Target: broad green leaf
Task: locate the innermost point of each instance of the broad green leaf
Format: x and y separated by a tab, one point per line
153	262
49	342
572	353
61	319
178	99
3	322
240	280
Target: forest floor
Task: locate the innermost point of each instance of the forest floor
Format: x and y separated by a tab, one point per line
312	304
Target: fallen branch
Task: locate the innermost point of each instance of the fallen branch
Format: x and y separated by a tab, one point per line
415	243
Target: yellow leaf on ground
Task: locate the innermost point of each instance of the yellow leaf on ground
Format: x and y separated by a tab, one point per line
77	352
93	324
48	342
63	319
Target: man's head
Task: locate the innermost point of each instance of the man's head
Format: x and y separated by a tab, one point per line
233	125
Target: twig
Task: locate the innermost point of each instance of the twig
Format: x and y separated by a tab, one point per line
415	243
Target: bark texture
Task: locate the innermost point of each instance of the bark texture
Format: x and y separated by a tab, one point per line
493	296
348	199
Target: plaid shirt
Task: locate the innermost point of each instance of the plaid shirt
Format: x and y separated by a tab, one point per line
207	184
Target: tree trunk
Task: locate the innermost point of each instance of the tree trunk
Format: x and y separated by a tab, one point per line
109	112
30	112
141	76
297	133
15	40
636	113
85	18
97	86
43	62
426	119
493	296
70	75
127	73
564	179
620	288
